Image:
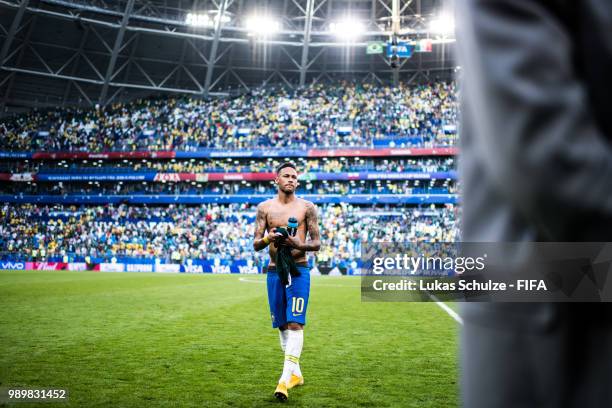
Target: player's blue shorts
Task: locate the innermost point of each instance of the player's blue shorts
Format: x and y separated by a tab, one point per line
288	304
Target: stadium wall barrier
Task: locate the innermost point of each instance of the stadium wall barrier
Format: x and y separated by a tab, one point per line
14	265
206	177
206	266
216	153
414	199
194	267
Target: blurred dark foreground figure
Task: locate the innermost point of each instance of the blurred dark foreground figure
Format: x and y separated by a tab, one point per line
536	165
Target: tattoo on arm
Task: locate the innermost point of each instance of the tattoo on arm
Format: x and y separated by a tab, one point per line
260	229
312	226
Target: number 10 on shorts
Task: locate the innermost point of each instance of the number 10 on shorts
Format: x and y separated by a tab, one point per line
297	305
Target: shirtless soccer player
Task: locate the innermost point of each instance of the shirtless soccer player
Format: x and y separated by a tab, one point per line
288	303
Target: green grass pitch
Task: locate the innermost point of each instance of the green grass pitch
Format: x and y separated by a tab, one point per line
166	340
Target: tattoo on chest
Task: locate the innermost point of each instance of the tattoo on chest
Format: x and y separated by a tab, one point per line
280	218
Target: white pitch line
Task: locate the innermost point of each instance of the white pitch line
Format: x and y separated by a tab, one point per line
251	280
447	309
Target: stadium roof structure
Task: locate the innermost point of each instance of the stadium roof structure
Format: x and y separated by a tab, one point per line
88	52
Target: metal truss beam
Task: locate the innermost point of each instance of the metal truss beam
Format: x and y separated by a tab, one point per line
328	17
299	6
12	75
405	6
235	75
117	84
131	59
232	53
180	64
76	63
114	95
78	87
174	79
266	81
193	78
174	23
384	4
283	49
113	60
372	24
12	31
307	28
6	79
321	75
321	3
289	84
197	51
314	59
141	59
144	73
167	77
280	48
102	40
212	58
128	64
219	79
179	67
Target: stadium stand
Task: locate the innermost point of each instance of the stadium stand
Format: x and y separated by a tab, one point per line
319	115
333	165
93	187
176	233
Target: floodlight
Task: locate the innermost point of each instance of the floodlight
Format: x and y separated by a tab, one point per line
199	20
205	19
444	24
262	25
347	28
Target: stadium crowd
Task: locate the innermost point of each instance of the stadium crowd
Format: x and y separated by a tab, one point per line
321	115
332	165
176	233
228	188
